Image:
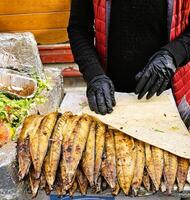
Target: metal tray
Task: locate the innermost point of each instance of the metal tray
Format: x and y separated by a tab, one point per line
16	84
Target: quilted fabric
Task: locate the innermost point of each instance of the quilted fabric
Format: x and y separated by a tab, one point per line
180	21
100	28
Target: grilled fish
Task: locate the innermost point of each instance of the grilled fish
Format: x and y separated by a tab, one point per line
47	190
89	155
146	180
116	190
139	166
34	183
59	184
54	153
39	142
82	181
182	171
73	189
63	176
98	187
158	156
126	158
170	170
100	142
109	171
42	181
188	176
73	152
67	133
154	164
29	128
104	185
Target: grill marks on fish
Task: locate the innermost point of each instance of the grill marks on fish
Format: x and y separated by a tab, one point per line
126	158
53	157
67	132
40	140
82	181
73	151
74	147
88	158
59	184
34	183
170	170
73	188
109	171
99	149
182	171
146	180
139	166
154	164
30	127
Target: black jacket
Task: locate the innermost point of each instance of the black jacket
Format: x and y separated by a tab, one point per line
137	30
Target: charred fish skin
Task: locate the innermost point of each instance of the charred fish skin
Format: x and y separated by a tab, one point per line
63	175
74	152
126	158
88	158
109	171
24	158
73	189
99	148
116	190
42	181
154	164
82	181
34	183
150	163
53	156
98	187
40	141
59	184
67	134
182	171
139	169
170	170
158	156
47	190
30	126
146	180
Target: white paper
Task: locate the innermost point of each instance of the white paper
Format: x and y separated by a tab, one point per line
155	121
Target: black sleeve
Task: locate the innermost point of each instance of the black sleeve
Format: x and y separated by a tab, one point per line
81	36
180	48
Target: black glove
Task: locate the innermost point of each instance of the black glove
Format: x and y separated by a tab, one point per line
100	93
156	76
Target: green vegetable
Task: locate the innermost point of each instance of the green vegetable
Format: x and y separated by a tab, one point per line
158	130
14	110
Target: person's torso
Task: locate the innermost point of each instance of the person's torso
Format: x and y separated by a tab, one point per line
137	30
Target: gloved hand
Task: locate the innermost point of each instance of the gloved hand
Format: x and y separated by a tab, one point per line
156	76
100	93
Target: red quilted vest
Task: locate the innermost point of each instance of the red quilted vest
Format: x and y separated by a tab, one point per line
100	27
180	13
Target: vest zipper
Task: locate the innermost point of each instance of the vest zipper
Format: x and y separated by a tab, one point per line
169	16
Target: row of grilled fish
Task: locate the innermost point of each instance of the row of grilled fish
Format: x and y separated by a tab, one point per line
66	152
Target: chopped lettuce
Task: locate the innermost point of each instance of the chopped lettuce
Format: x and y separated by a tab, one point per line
14	110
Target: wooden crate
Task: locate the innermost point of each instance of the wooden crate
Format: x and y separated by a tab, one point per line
47	19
